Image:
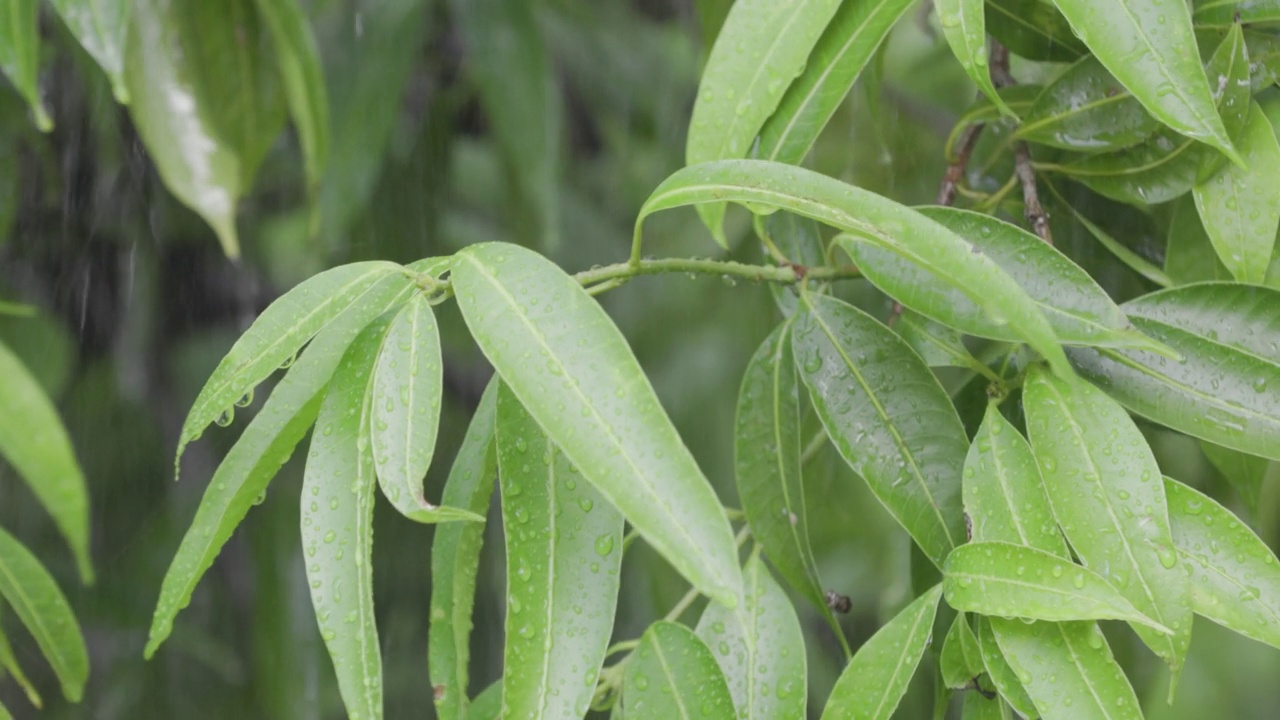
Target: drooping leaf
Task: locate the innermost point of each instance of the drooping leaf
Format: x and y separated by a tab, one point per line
1003	677
1237	205
964	25
872	684
672	674
872	217
264	446
935	343
762	47
759	648
574	372
959	660
34	442
37	601
1245	472
1104	486
1222	388
1033	29
1188	255
888	416
100	27
564	552
20	55
847	45
1085	108
1235	578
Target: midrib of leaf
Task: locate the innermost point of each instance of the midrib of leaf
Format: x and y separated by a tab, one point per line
544	691
671	678
1103	172
1042	122
1243	588
939	344
37	619
889	424
1088	681
656	500
810	565
1151	51
408	426
1217	344
778	37
1193	392
1025	584
1005	492
363	526
898	666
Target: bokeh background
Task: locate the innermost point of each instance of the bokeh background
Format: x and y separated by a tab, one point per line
137	303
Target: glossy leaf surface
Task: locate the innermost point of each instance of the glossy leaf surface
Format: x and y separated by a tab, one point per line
1085	108
1003	677
571	368
20	55
100	27
672	674
35	598
964	25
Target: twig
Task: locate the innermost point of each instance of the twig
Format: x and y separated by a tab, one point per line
1032	210
955	170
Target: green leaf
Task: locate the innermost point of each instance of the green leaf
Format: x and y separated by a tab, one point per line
1062	292
1103	484
1003	677
1007	580
1228	12
337	528
37	601
100	27
872	217
847	45
875	680
572	369
487	705
935	343
277	334
959	661
964	25
1237	205
35	443
978	707
1245	472
298	61
1188	255
1085	108
1033	29
1235	579
1004	496
672	674
564	552
1221	389
711	16
20	55
263	447
455	560
1131	259
9	663
888	416
800	242
760	648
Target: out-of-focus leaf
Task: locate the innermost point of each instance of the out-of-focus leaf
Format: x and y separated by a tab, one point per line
1235	577
1227	12
20	55
1131	259
849	42
762	47
874	681
672	674
1245	472
35	443
1228	337
455	560
1188	253
573	371
1084	108
894	227
1033	29
1104	486
9	662
564	551
800	242
263	447
759	648
100	27
1003	677
1237	205
711	15
977	706
37	601
338	489
487	705
888	416
959	661
935	343
965	27
277	334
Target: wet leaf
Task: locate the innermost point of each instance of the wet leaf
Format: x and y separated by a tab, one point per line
100	27
20	55
1104	486
888	417
1033	29
1228	337
1005	680
1228	12
874	681
1086	109
935	343
978	707
760	648
672	674
762	47
873	218
959	660
847	45
965	27
43	609
34	441
564	551
571	368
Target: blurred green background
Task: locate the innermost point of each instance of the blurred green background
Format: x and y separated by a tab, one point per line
138	303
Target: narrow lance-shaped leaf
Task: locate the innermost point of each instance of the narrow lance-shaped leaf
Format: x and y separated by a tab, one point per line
761	48
1067	667
964	25
564	552
888	416
1085	108
9	662
959	661
20	55
1235	577
1104	487
889	225
571	368
672	674
37	601
35	443
1237	205
100	27
264	446
338	489
1002	675
1033	29
760	648
873	683
847	45
455	560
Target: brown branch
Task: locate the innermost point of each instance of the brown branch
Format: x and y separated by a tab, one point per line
955	170
1032	210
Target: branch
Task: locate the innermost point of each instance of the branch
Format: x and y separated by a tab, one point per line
1032	210
782	274
955	170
